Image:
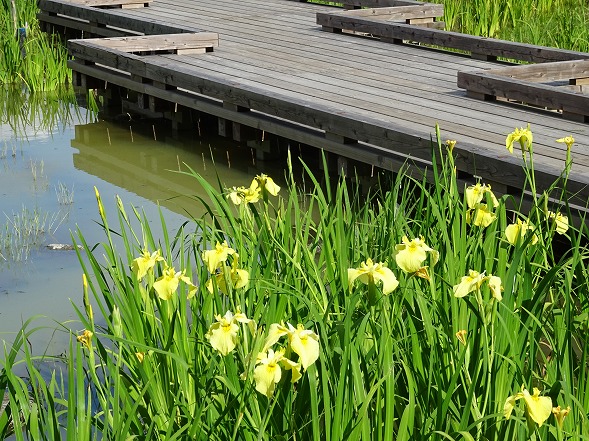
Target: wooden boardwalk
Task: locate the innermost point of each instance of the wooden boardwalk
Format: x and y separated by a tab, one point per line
331	90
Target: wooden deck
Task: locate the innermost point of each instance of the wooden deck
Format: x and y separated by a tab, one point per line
276	70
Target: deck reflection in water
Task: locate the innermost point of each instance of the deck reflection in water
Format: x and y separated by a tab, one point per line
145	160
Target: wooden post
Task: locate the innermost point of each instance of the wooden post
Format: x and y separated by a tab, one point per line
480	96
482	57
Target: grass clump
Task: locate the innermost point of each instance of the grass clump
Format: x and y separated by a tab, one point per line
422	312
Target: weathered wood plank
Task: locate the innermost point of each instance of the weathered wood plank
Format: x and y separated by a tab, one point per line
453	40
393	13
388	86
531	93
279	31
380	3
112	3
393	69
543	72
82	26
396	103
163	42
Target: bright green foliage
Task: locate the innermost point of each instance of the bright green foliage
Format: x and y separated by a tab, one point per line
38	60
555	23
301	350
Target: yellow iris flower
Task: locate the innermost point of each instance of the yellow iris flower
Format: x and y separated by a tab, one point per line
568	140
215	257
266	183
469	283
222	334
268	370
496	287
561	221
411	254
519	230
239	278
560	414
303	342
85	338
480	216
523	136
166	285
369	272
239	195
267	373
145	263
474	281
475	194
461	336
538	408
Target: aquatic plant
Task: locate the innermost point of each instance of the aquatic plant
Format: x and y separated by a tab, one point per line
25	231
65	196
326	315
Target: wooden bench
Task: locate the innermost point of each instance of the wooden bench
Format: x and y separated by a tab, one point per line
556	86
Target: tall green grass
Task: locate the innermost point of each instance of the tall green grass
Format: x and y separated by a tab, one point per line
37	60
418	363
557	23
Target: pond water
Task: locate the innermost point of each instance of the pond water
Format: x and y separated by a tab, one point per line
49	166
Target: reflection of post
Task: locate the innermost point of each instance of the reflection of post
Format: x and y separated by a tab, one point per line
21	34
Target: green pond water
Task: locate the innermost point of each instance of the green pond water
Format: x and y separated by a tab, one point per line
46	160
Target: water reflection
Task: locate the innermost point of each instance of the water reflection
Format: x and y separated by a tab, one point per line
148	161
137	161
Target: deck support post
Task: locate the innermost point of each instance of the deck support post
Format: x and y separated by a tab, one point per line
419	21
156	104
482	57
391	40
480	96
339	138
578	81
574	116
238	132
142	98
112	97
332	30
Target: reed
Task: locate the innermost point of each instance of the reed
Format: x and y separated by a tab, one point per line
24	232
65	196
